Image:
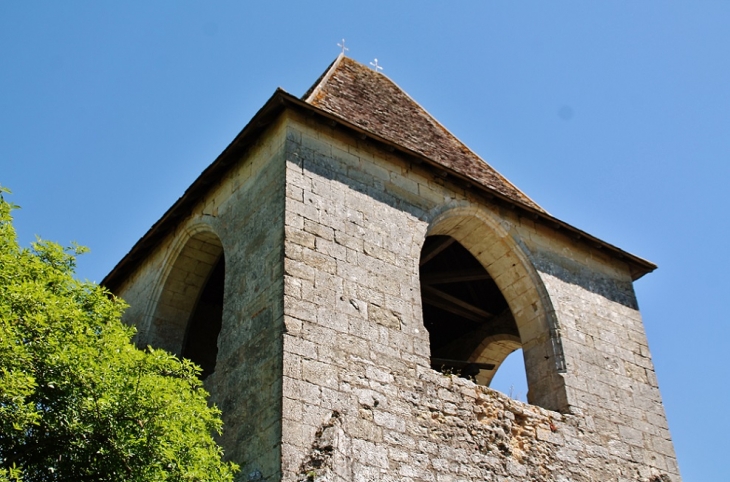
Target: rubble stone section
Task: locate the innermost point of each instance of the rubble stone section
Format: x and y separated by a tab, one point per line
444	428
360	401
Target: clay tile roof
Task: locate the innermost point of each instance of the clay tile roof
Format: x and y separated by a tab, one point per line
370	100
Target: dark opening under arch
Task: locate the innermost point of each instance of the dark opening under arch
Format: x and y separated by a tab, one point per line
200	344
470	325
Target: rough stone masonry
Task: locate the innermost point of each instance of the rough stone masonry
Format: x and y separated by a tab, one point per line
344	260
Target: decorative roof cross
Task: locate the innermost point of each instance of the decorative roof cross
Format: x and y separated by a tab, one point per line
375	65
342	46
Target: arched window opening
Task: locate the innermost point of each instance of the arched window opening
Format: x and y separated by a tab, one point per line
188	314
201	336
470	325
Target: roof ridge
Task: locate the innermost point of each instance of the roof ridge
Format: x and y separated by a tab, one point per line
319	83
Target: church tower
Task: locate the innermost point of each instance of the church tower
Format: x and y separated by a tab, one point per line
350	276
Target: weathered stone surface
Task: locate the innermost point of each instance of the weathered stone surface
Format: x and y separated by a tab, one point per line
249	230
323	367
408	422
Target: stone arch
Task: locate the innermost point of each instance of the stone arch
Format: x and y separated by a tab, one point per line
496	247
494	350
187	315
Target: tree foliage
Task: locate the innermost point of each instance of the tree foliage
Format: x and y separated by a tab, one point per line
78	401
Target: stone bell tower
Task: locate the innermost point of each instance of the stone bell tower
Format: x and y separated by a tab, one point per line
350	277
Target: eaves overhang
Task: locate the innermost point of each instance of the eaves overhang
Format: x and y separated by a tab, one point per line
277	103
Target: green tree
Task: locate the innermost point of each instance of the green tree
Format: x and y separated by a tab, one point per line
78	401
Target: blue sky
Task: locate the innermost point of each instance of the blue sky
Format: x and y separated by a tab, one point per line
615	117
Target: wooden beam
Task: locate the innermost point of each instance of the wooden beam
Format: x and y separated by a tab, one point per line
454	305
436	248
451	308
458	302
458	276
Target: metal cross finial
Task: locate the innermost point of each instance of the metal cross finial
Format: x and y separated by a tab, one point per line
375	65
342	46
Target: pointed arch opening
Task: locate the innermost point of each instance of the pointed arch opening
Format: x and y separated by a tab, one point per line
483	299
189	314
470	325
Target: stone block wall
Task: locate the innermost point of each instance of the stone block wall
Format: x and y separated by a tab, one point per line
360	400
244	215
610	377
351	296
323	368
247	382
